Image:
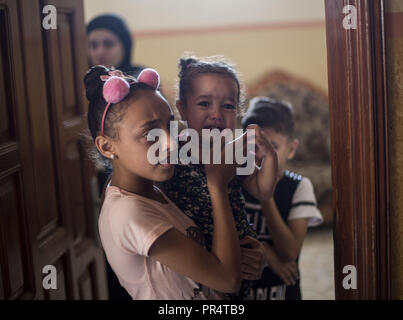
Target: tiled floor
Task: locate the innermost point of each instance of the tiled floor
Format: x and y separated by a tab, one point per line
316	265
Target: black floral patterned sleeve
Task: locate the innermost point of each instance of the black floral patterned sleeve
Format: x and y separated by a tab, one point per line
188	190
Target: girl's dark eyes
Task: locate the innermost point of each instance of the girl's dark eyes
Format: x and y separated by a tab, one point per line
204	103
229	106
149	135
207	103
152	134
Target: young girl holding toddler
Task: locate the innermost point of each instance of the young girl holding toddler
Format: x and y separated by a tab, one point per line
154	248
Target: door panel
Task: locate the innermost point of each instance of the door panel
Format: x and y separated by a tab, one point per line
16	175
67	57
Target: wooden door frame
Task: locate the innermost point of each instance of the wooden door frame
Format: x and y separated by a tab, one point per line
359	143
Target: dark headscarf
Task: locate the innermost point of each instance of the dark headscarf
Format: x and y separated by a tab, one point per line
119	28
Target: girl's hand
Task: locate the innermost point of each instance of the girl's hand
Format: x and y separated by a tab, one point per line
219	174
264	147
287	271
253	258
261	184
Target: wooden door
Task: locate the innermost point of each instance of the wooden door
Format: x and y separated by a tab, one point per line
48	214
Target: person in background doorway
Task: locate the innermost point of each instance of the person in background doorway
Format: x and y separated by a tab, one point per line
110	44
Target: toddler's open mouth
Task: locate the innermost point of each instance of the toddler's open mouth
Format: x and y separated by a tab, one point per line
166	165
213	127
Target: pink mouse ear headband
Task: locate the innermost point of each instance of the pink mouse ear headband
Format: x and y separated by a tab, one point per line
117	87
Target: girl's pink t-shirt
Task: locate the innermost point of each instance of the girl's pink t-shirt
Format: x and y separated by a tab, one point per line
128	226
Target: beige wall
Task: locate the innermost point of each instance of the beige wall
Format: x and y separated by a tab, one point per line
173	14
258	35
299	52
394	20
